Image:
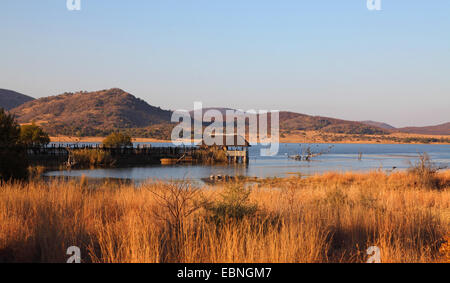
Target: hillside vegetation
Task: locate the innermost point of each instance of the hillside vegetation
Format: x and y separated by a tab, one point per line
379	125
91	113
295	121
290	121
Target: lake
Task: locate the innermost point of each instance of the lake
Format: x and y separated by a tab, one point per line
336	157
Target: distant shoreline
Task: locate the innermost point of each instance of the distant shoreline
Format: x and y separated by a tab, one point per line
307	137
394	138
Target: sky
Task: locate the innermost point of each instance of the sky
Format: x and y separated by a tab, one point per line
332	58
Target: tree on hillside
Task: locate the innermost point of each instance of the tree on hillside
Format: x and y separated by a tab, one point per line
117	140
13	162
33	135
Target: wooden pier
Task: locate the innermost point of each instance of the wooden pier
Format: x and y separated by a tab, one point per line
57	155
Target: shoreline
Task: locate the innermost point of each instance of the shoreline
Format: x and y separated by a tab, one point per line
291	139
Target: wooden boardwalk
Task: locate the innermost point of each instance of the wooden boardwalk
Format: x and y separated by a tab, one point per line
58	155
64	150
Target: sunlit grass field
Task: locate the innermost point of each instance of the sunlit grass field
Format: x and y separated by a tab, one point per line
325	218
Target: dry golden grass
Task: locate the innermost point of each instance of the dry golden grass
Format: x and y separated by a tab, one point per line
325	218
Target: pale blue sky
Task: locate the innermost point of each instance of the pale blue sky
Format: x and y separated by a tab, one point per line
330	57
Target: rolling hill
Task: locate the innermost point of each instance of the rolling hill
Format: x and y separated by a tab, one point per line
102	112
295	121
290	121
442	129
10	99
91	113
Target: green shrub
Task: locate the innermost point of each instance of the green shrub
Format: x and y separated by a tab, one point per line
117	140
234	204
33	135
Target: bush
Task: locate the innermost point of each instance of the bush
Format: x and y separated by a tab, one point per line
13	161
33	135
425	172
234	204
91	158
212	155
117	140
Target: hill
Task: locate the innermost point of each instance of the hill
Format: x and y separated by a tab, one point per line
102	112
379	125
443	129
290	121
294	121
10	99
91	113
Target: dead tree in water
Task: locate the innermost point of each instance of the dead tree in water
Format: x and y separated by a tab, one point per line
307	154
360	155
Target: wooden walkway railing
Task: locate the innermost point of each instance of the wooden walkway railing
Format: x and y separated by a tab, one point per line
56	155
56	150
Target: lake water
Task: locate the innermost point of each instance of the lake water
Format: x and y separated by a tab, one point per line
339	158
